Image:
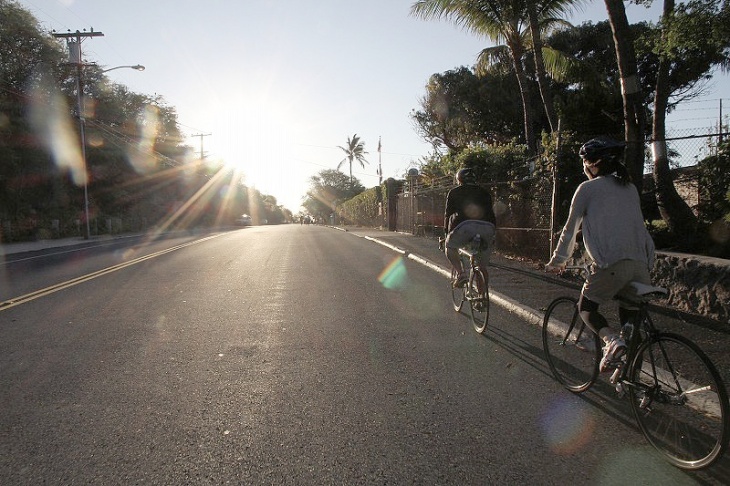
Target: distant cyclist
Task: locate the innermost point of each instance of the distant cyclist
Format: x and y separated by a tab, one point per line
608	208
468	212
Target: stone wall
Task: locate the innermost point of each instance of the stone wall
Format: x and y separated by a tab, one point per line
698	285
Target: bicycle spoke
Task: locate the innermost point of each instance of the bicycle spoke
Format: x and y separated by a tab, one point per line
679	401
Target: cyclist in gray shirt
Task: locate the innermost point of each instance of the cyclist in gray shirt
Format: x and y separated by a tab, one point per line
608	210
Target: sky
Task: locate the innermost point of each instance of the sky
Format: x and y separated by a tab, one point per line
275	86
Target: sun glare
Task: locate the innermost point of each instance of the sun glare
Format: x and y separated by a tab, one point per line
255	138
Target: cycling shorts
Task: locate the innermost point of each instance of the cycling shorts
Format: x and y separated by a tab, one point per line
603	284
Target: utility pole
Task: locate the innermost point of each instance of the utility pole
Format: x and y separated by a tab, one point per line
201	135
380	163
719	140
73	41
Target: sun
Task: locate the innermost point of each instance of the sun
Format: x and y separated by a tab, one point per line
255	138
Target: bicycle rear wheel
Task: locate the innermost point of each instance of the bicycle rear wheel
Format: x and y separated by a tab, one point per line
479	299
457	293
571	348
679	401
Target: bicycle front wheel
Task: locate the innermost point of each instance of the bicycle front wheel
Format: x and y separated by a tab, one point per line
479	299
572	349
457	293
679	401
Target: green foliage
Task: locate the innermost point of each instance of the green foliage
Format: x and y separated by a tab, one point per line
461	108
363	208
588	100
328	190
694	38
501	162
495	163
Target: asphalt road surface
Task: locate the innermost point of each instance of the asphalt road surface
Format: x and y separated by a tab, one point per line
286	355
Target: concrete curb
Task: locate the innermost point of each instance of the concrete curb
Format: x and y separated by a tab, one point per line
529	314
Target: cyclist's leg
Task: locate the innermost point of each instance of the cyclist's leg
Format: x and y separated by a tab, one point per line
629	313
458	238
487	231
600	287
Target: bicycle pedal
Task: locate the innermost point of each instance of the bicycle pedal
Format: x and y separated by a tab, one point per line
620	391
644	402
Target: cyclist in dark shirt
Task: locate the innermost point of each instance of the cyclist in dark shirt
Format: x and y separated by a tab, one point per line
468	212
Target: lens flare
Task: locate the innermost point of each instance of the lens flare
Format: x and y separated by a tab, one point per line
141	158
51	122
567	425
394	275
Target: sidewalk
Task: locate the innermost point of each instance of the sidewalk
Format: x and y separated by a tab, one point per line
31	246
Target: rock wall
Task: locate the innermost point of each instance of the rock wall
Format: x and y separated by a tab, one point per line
698	285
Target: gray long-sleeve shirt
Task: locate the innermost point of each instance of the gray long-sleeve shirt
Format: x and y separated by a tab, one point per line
613	226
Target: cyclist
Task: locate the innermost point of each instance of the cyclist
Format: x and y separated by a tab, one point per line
468	212
608	209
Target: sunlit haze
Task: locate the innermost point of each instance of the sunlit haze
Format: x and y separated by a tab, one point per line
272	88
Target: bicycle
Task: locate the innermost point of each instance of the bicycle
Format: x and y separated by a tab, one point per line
678	398
476	290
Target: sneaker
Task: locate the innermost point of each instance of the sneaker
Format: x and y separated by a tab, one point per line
613	351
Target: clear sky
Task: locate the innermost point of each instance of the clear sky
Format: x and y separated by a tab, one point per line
279	84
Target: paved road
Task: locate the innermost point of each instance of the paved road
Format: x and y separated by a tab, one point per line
295	355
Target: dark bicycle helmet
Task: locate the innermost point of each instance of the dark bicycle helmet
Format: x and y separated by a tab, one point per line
601	148
465	176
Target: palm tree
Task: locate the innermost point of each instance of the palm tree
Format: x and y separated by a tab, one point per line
542	15
628	69
354	150
502	21
505	22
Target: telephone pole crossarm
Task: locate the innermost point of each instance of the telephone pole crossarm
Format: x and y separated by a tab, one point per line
201	135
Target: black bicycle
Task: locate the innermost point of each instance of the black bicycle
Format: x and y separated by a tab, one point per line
476	289
678	397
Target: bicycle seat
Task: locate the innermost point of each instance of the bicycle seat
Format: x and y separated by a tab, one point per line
644	290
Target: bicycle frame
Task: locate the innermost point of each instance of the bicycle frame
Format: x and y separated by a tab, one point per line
677	395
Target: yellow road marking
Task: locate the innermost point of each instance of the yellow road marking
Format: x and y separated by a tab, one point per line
90	276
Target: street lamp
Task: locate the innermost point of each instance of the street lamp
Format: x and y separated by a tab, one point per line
136	67
82	130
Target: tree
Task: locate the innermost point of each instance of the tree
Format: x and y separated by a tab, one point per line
500	21
633	108
504	21
132	139
541	15
354	150
460	109
328	189
30	185
588	97
692	40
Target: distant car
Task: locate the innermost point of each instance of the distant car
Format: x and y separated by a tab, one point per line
244	220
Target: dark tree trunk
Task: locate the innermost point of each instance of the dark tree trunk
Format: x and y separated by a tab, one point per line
634	117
